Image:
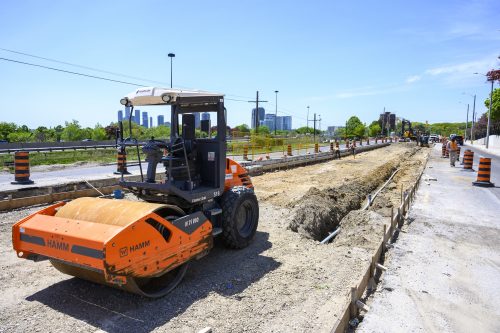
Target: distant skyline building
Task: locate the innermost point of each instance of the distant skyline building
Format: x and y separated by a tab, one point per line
287	123
150	121
269	121
205	116
127	112
333	130
284	123
161	120
120	115
137	117
387	122
145	119
261	115
196	119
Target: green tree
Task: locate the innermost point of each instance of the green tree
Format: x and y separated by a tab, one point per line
99	133
243	128
58	132
263	130
24	128
19	136
111	131
6	129
354	127
495	107
158	132
73	131
360	130
305	129
374	129
42	134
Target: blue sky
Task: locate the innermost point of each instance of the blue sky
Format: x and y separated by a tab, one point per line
341	58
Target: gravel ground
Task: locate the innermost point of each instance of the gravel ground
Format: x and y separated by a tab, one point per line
283	282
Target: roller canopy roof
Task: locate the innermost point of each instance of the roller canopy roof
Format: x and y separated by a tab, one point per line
166	96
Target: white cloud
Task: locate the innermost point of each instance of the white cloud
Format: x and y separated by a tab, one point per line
457	74
482	65
413	78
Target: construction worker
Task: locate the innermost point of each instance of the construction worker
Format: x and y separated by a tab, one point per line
336	150
452	148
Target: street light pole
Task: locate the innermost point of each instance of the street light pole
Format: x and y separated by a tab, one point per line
466	122
473	118
171	56
276	113
307	124
489	116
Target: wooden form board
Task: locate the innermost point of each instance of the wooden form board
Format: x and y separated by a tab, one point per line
50	198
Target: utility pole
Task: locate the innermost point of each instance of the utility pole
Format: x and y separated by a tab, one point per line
314	128
473	118
256	125
307	124
384	124
276	113
467	122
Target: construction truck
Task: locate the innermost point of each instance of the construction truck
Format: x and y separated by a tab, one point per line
145	246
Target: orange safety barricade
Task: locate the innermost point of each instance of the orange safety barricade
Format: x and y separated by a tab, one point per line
22	168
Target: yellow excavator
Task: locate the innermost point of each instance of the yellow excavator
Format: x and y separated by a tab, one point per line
408	133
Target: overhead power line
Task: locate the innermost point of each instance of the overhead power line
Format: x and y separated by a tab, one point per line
81	66
98	70
280	110
70	72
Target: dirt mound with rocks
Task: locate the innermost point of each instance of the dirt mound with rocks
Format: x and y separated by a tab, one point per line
320	211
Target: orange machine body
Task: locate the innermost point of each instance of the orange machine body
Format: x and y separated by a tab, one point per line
236	175
137	249
118	239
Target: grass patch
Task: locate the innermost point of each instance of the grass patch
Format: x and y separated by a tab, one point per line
69	157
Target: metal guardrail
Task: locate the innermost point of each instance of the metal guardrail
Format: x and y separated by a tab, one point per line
12	147
55	146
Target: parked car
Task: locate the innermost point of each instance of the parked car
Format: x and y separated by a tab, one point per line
4	141
434	138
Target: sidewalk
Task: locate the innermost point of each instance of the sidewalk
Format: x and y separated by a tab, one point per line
491	150
494	145
443	274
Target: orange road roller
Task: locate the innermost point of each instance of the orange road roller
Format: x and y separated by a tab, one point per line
144	246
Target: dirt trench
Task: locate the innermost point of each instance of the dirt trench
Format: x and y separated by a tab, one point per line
320	211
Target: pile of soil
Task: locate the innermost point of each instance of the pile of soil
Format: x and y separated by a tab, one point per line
320	211
360	228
